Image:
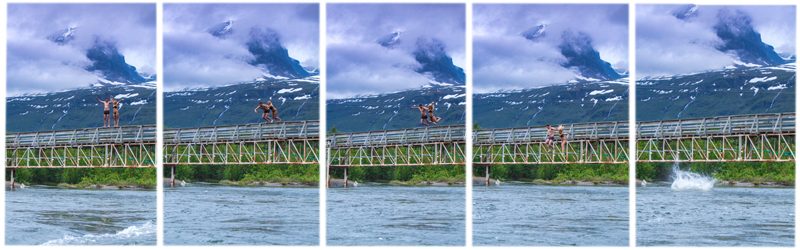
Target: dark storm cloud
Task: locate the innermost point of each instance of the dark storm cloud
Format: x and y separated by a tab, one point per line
358	65
668	46
504	59
195	58
36	64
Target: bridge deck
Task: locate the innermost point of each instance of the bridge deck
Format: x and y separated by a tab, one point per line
244	132
423	135
579	131
717	126
86	136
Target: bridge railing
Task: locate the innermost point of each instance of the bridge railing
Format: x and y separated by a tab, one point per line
87	136
715	126
244	132
579	131
396	137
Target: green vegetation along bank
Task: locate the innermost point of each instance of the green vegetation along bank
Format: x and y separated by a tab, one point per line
405	175
557	174
248	175
86	177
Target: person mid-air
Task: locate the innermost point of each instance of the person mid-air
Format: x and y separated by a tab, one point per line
264	107
423	110
433	117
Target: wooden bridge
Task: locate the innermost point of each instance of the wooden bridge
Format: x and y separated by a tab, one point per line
127	146
247	144
428	146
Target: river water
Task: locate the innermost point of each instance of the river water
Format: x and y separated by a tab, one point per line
54	216
538	215
392	215
673	215
205	214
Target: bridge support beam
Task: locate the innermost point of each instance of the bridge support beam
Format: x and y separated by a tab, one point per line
345	177
12	179
172	176
487	175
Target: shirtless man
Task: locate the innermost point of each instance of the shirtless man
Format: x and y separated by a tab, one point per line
424	114
116	104
434	119
274	111
266	109
550	135
106	110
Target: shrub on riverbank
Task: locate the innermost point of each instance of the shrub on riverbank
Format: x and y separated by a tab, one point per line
404	174
306	174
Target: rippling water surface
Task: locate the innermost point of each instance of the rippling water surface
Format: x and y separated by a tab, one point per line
54	216
199	214
536	215
391	215
717	217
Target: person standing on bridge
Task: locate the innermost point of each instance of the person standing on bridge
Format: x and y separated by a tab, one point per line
116	105
274	111
563	138
266	109
423	110
434	119
550	135
106	111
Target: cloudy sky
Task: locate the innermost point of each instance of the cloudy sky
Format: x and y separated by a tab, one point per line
357	65
194	58
37	65
503	59
669	46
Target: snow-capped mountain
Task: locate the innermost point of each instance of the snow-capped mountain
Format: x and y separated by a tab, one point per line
583	57
64	36
108	62
736	90
432	56
738	36
271	56
296	100
396	110
534	33
556	104
390	40
79	108
221	30
435	63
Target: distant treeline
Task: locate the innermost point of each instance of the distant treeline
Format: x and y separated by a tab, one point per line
83	177
754	172
617	173
408	174
306	174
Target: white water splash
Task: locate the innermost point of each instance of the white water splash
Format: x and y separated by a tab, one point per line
148	228
685	180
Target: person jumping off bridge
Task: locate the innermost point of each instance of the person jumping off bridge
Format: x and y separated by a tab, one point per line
423	111
432	116
106	111
268	108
